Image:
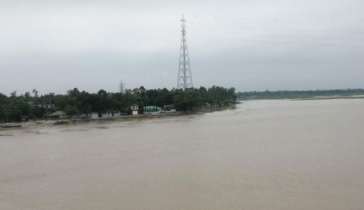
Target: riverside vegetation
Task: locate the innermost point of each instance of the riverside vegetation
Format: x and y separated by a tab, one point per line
76	102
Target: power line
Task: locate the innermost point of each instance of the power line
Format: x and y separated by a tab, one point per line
288	36
250	20
273	29
162	49
288	43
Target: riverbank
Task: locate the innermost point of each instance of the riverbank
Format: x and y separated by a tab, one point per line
46	123
79	121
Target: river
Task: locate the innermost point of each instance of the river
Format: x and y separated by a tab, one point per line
268	154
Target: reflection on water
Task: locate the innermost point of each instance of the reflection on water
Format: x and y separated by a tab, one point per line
262	155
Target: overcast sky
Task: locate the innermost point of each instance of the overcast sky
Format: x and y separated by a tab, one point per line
54	46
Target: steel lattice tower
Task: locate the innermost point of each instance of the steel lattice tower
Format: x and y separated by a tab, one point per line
121	86
184	70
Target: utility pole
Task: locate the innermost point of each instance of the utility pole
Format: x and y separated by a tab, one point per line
184	69
35	93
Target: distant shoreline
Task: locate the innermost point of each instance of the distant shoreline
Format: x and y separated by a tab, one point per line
305	98
330	97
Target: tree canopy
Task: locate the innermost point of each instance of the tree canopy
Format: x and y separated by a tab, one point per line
81	102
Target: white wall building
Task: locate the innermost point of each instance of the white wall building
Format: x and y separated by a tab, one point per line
135	109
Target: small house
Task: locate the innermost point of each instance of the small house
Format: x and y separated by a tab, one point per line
58	115
24	118
134	109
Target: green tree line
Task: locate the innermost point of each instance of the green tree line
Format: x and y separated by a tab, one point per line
81	102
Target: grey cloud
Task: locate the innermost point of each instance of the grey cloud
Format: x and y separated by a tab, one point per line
252	45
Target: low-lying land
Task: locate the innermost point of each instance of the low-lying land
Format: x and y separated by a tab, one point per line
122	118
305	95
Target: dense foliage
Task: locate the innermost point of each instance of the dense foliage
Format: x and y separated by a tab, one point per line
299	94
81	102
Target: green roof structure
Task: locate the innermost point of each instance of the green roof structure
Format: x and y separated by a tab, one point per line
151	108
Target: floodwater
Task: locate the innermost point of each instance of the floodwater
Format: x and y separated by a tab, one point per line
279	155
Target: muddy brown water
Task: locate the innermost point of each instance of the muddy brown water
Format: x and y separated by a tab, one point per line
262	155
